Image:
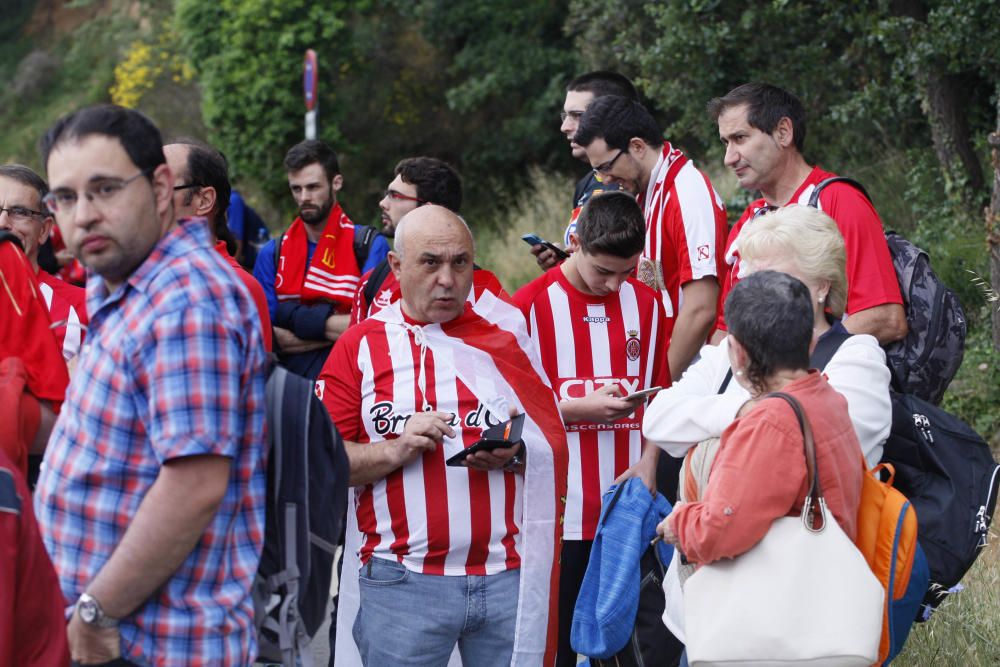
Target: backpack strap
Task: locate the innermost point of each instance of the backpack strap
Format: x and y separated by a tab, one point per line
826	348
277	250
814	197
364	236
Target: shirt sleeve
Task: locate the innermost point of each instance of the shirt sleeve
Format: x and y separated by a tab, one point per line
693	409
697	225
339	387
265	273
378	251
756	478
871	278
192	379
859	373
234	216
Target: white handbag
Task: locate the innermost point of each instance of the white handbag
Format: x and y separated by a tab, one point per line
802	595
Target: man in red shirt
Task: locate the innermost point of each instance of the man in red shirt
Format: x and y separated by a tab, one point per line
417	181
202	191
602	335
685	217
449	555
24	215
763	128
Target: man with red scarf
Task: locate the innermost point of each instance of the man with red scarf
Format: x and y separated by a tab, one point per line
311	277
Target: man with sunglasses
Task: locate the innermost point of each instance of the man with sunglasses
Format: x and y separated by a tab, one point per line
151	500
418	181
580	92
311	272
23	214
685	217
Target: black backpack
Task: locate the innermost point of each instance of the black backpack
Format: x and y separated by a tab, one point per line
948	474
926	360
364	236
307	482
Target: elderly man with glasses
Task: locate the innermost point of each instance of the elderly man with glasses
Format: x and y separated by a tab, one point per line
151	501
685	217
23	214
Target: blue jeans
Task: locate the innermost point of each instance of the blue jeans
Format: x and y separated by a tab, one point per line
407	618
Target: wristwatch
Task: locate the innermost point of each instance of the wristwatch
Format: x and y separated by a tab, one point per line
91	613
516	460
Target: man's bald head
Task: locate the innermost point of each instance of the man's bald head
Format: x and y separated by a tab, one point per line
436	219
433	263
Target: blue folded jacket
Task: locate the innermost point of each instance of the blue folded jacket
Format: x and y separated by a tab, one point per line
609	596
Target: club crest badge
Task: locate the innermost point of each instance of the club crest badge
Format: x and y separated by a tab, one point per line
632	346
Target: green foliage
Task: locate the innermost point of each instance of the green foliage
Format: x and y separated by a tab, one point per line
974	394
248	55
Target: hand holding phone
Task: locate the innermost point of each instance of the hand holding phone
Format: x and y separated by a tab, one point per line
534	239
645	393
506	434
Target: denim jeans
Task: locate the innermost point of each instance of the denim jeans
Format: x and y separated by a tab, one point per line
407	618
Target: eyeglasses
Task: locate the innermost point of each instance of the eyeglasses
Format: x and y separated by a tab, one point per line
21	213
187	186
575	115
606	167
62	202
399	196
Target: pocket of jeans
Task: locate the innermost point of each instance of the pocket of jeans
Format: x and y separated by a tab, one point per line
382	572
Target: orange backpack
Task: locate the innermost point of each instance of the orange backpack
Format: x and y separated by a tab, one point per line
887	538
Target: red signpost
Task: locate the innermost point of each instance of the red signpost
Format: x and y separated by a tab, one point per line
310	91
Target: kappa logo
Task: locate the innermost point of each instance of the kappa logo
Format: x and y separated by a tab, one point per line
384	298
633	348
703	252
596	319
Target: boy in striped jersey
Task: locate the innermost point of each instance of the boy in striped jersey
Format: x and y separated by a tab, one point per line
602	335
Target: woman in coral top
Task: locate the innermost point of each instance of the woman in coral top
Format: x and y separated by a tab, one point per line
759	473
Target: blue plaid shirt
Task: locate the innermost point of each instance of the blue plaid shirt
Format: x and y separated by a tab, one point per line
173	366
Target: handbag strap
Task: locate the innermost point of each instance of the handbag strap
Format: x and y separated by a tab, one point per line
814	497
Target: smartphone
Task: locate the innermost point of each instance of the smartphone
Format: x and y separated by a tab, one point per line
642	394
507	434
535	239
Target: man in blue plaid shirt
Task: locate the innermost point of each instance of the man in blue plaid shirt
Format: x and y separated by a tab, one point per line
151	499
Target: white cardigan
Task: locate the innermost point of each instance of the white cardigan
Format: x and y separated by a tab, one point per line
692	409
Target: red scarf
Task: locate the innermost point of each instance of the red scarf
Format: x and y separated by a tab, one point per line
333	273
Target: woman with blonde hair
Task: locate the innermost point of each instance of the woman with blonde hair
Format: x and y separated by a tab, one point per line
805	243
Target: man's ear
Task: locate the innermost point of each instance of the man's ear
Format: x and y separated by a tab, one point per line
207	197
638	146
574	242
784	133
394	263
162	180
47	223
336	183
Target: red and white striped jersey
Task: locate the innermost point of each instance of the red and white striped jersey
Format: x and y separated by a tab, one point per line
587	342
433	518
67	306
685	228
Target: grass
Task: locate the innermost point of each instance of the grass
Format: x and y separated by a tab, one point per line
965	630
543	209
